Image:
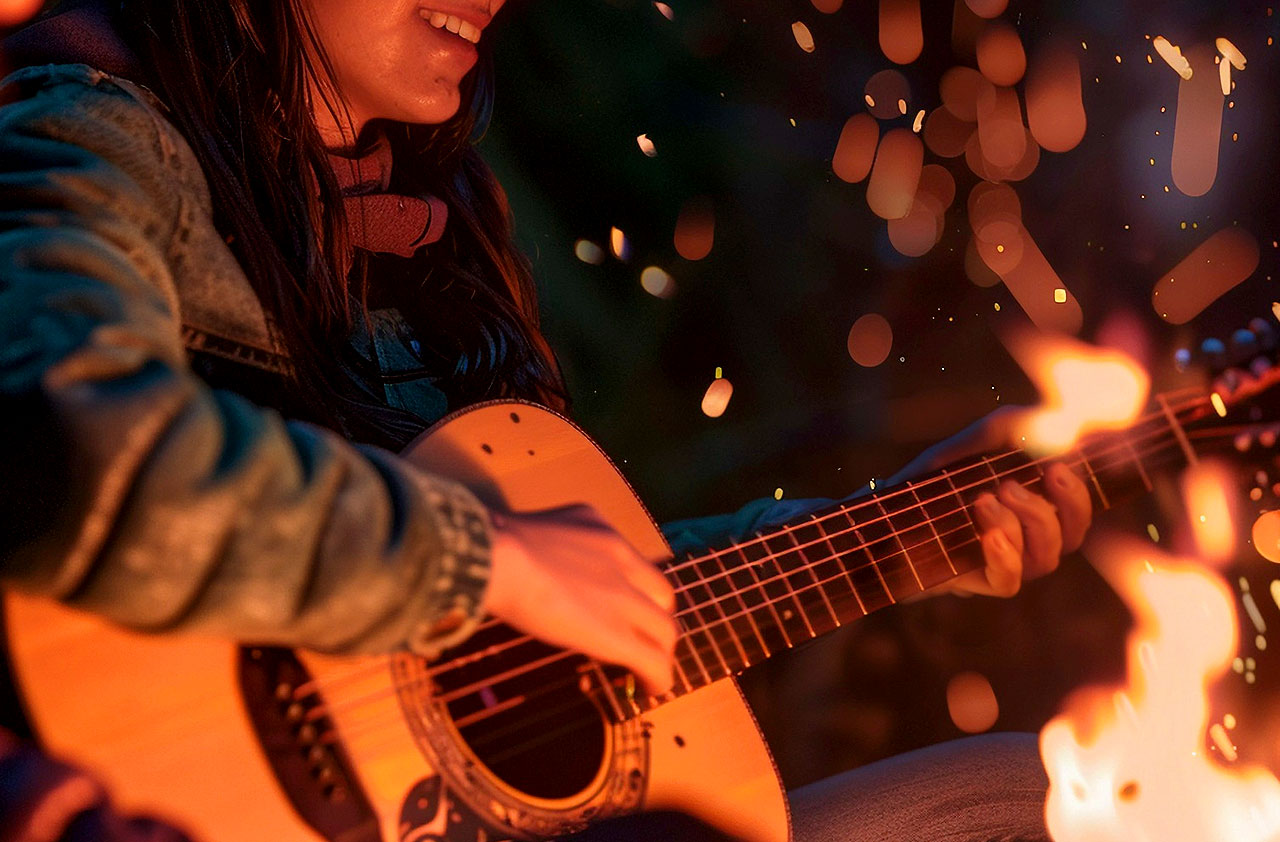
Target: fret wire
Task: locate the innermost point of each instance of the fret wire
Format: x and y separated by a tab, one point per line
782	577
764	596
1192	406
897	536
835	554
813	575
717	601
874	562
964	507
934	530
1102	495
750	618
680	673
687	640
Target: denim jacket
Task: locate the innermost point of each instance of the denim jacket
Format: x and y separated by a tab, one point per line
134	489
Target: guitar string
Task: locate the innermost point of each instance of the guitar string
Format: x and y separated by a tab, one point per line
613	682
306	688
456	694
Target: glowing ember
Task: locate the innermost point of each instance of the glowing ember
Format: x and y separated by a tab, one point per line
588	252
901	35
695	229
1224	75
1266	537
870	340
1231	53
665	10
618	244
895	174
1216	266
1197	126
1055	110
803	36
856	149
646	145
918	123
1206	487
972	703
1131	763
657	282
1082	389
716	399
1172	56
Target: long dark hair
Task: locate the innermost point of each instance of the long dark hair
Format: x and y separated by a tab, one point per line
238	76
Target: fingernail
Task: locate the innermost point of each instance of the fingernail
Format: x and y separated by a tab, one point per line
1001	542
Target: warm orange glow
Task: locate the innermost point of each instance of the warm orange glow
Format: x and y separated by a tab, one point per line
856	149
1055	111
1082	388
695	229
960	88
716	399
1000	55
1214	267
1000	130
827	7
1206	489
895	174
946	134
870	340
1132	763
1197	126
972	703
916	233
987	8
1266	536
14	12
804	38
901	34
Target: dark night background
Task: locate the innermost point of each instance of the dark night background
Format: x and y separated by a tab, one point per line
798	257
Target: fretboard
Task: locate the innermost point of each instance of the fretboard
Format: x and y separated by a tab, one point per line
741	604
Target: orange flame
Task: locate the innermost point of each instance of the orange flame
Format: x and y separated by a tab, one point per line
1131	763
1206	488
1084	389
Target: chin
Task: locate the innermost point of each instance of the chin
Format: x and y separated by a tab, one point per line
438	106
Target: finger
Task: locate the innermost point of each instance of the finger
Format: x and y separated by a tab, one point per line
1041	532
648	619
647	578
1075	508
622	644
1002	574
991	514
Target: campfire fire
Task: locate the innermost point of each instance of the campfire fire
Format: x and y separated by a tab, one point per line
1133	763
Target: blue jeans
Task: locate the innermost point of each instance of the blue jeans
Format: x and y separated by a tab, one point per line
989	788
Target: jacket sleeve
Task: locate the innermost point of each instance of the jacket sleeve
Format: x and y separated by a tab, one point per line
129	488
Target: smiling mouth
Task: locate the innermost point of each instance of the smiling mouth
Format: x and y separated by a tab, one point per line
439	20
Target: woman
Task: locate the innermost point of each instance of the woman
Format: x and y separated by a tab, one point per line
203	232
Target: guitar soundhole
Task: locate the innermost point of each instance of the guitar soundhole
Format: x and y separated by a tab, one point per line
520	707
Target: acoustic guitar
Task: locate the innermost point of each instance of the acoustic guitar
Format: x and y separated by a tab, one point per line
505	737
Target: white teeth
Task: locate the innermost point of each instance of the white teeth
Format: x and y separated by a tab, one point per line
453	23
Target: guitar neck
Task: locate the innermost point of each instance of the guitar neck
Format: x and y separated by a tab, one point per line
741	604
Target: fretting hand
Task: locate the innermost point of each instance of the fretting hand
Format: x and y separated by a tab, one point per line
1024	533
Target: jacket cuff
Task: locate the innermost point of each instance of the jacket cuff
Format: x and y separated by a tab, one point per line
455	596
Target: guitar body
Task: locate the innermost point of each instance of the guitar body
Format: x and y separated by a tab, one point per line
243	744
